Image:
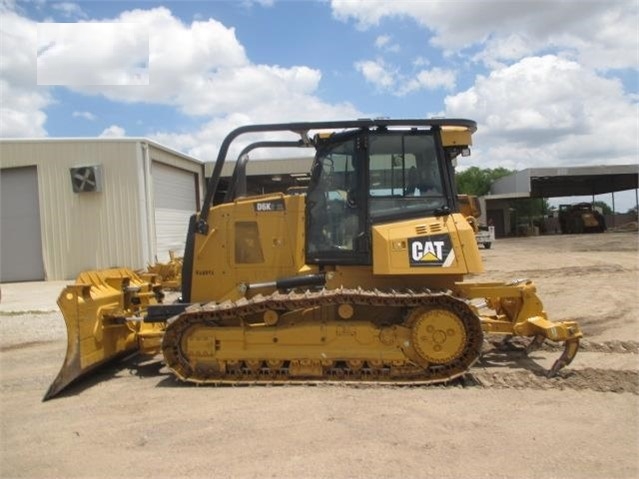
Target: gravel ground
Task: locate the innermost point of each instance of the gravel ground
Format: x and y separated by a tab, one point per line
135	420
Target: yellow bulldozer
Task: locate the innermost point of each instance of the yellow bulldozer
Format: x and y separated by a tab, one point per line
581	218
357	278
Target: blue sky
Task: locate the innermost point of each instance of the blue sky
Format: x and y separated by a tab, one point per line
550	82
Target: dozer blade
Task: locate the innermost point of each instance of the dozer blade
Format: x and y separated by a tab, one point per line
101	312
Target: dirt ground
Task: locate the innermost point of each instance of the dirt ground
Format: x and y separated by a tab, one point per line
504	421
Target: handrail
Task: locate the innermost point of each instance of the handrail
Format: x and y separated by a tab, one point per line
237	186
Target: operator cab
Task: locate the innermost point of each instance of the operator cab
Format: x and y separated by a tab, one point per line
366	177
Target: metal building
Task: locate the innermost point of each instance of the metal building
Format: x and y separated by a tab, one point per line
553	183
67	205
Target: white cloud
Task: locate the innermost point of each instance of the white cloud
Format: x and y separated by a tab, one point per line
367	13
420	62
388	78
93	54
546	111
248	4
22	102
384	42
202	69
87	115
599	34
199	68
262	3
550	96
532	110
504	49
430	80
114	131
17	123
204	143
245	87
69	9
377	73
185	61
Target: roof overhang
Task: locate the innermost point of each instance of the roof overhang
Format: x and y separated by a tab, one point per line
582	181
508	196
118	139
569	181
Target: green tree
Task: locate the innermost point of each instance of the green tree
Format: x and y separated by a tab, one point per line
476	181
530	209
605	209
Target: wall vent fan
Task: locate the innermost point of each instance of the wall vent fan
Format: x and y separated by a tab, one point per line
85	179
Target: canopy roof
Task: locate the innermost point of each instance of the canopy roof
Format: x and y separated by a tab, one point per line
571	181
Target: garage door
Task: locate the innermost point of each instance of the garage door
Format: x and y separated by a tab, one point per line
20	238
175	197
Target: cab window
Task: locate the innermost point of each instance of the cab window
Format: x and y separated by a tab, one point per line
404	176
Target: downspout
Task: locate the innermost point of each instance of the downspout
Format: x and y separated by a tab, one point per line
149	239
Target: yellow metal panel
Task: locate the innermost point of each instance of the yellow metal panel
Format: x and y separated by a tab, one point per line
427	246
456	136
218	275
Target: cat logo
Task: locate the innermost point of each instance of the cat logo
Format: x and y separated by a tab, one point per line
431	251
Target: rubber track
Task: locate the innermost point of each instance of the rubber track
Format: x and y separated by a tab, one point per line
212	314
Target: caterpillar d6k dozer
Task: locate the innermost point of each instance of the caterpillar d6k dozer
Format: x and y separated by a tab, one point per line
356	278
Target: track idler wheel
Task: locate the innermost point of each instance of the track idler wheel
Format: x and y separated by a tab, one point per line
438	335
445	338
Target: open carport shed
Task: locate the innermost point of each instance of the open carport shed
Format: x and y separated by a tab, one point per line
556	182
582	181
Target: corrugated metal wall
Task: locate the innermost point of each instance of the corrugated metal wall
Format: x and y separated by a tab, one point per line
114	227
176	192
84	230
175	200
